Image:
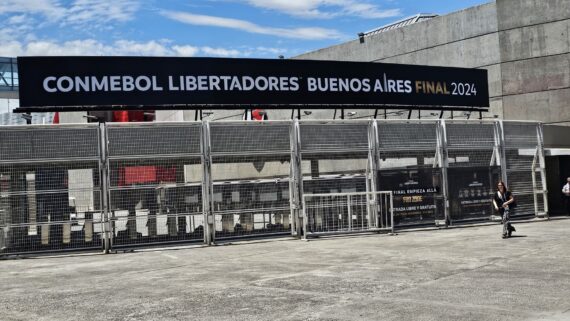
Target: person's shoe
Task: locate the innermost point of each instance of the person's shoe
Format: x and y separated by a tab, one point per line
505	236
510	230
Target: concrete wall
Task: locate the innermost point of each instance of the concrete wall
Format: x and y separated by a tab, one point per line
556	136
535	58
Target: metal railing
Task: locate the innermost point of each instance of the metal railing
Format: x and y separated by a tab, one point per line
340	213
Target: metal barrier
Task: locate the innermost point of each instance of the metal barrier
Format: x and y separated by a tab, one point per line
154	183
50	189
339	213
525	170
473	170
335	157
250	178
103	186
410	165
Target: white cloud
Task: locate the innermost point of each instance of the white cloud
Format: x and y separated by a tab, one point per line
83	13
11	49
325	9
185	51
260	51
220	52
100	11
274	51
51	9
133	48
308	33
91	47
17	19
370	11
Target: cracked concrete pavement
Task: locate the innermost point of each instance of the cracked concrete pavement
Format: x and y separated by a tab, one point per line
446	274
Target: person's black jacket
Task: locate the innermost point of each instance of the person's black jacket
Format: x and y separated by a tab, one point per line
500	200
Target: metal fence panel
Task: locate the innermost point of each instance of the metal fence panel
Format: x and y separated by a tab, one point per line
62	188
521	150
472	173
470	144
409	167
47	142
50	189
153	139
337	213
335	156
408	136
250	173
155	190
340	136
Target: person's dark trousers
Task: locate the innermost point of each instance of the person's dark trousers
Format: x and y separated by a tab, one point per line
567	200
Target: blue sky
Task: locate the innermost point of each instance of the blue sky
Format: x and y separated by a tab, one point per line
213	28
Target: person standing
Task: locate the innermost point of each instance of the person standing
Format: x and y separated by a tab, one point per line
566	192
503	203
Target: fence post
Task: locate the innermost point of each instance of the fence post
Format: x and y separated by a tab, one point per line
372	175
392	212
104	182
207	184
502	151
496	158
542	166
444	164
296	187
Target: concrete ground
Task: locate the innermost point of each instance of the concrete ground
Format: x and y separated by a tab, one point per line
454	274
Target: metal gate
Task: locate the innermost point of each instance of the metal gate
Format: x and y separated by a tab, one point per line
338	213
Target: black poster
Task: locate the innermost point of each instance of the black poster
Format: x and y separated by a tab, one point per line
417	194
471	190
102	83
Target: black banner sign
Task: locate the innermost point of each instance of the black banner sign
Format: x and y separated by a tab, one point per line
471	190
416	194
102	83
